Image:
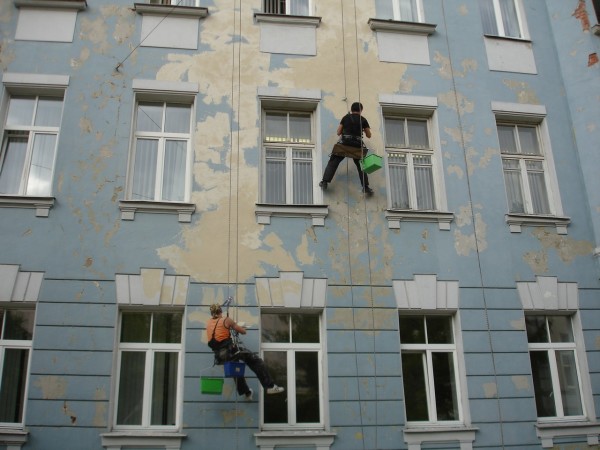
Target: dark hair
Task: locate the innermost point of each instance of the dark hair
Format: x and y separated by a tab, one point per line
356	107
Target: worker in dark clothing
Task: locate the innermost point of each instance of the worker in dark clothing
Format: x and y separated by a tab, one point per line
351	145
218	332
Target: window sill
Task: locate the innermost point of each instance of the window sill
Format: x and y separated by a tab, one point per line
13	438
41	205
145	8
395	216
264	212
117	440
415	436
516	221
402	27
268	440
548	431
287	19
507	38
130	207
79	5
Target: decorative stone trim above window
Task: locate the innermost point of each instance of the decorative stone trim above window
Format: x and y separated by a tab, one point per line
320	440
128	439
78	5
152	288
547	294
394	217
18	286
415	437
34	83
516	221
427	293
425	29
317	213
13	439
287	19
547	432
291	290
130	207
41	205
146	8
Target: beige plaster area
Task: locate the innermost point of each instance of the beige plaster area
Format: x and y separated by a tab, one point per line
52	387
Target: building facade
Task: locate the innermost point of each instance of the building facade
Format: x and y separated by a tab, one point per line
161	156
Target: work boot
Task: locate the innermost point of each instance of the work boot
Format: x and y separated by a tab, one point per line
367	190
323	184
275	389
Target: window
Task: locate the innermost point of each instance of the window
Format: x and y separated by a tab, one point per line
429	369
402	10
29	145
524	169
290	7
410	163
160	169
502	18
149	370
16	334
176	2
292	350
288	170
554	367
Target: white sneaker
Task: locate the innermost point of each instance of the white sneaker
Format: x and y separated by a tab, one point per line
275	389
249	395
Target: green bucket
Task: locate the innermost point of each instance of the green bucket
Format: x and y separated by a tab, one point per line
211	385
371	163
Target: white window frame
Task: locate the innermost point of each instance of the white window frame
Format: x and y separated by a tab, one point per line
520	11
291	349
288	7
6	344
189	3
397	11
150	349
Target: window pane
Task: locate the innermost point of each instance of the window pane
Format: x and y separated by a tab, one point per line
299	7
12	166
412	330
488	17
536	329
276	127
49	112
398	181
528	141
166	328
509	18
307	387
135	327
149	117
514	191
275	176
173	184
385	10
302	177
439	330
506	138
164	389
20	111
300	128
39	181
144	170
12	392
19	324
446	401
275	406
177	118
560	329
394	132
305	328
275	328
408	10
569	383
415	388
424	182
131	388
537	186
542	384
417	134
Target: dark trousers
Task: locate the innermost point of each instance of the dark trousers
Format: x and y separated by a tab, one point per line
334	162
252	360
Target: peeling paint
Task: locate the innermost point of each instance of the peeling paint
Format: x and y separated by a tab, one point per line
52	387
524	93
537	261
518	324
490	390
567	248
68	412
456	170
465	243
521	382
597	342
581	14
457	102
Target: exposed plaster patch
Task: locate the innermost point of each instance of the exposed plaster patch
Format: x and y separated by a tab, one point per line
490	390
303	253
566	247
456	170
68	412
230	416
340	316
465	243
597	342
581	14
27	232
85	125
6	57
463	10
445	70
457	102
521	382
518	324
537	261
52	387
84	55
592	59
591	127
483	162
100	408
524	93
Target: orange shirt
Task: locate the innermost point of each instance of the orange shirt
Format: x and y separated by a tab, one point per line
221	333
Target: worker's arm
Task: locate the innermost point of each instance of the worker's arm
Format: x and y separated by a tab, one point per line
368	132
230	323
340	129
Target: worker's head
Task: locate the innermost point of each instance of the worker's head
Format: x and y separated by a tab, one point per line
215	310
356	107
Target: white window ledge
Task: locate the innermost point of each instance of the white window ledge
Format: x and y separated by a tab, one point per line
548	431
287	19
516	221
145	8
269	440
79	5
415	437
395	216
12	438
41	205
117	440
264	212
506	38
402	27
130	207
